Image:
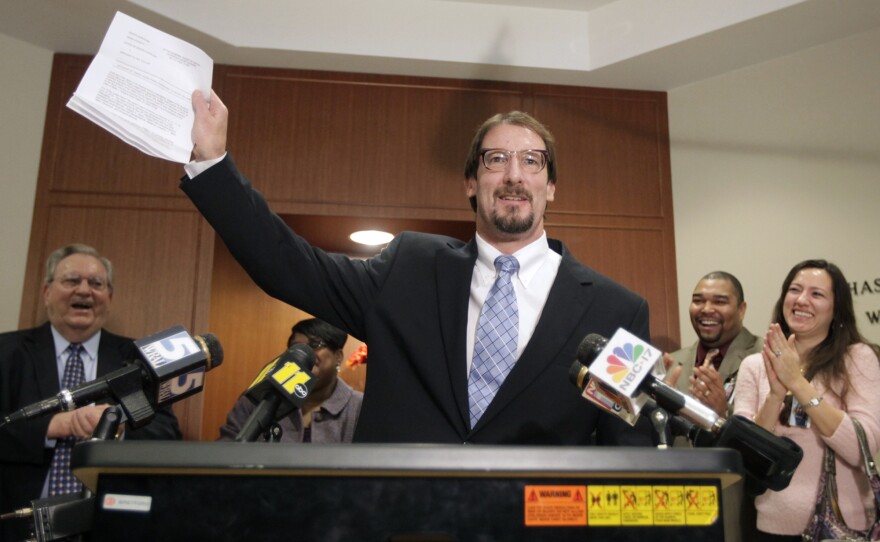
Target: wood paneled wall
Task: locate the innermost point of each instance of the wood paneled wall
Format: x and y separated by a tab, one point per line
354	146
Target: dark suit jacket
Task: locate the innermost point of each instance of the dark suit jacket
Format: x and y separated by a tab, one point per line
29	373
410	304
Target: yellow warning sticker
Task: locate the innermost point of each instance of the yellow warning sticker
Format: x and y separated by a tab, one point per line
669	505
701	504
603	505
636	505
548	506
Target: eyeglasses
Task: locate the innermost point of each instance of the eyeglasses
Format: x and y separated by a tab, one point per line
97	284
315	344
530	161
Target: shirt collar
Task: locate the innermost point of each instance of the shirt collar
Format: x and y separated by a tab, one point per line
90	346
530	258
338	399
702	350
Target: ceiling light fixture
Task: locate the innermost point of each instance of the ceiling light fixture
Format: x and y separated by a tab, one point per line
371	237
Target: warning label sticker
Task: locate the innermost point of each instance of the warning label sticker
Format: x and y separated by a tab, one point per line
626	505
603	505
636	506
668	505
701	504
555	506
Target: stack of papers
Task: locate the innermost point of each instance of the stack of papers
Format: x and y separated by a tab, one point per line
139	88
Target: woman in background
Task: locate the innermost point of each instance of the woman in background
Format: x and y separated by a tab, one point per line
815	373
330	411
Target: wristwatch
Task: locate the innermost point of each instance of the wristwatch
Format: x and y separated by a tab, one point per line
814	402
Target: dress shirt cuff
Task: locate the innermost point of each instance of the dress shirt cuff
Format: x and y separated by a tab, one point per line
193	169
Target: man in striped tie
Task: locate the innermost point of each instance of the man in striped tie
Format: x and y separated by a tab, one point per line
470	342
69	349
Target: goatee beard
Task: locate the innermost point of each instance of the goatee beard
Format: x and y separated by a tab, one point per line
513	225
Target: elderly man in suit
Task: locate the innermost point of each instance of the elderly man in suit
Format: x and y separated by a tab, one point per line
469	342
708	367
36	363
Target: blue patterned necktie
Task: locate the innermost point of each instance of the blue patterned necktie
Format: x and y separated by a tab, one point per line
61	480
496	340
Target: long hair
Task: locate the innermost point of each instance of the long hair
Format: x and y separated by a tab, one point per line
828	359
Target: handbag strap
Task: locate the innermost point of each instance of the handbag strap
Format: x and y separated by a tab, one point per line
830	483
830	468
867	458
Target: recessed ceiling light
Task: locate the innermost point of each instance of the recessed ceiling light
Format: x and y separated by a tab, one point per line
371	237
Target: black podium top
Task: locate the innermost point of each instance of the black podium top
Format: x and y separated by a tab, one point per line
229	491
253	459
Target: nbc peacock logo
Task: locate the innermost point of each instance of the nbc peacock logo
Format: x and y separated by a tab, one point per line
620	362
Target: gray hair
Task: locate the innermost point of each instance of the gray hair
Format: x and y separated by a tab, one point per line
76	248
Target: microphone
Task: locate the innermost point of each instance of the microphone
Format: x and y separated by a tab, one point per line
612	402
595	392
172	366
280	388
620	364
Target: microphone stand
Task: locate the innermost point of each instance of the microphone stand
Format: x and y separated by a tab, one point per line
260	420
659	419
275	433
68	517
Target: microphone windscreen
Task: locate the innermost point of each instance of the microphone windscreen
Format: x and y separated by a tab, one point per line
302	355
212	348
590	347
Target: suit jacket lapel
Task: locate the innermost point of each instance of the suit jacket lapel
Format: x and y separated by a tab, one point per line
454	270
735	354
687	367
552	333
109	357
40	348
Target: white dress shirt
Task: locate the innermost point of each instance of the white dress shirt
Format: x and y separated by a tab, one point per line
538	266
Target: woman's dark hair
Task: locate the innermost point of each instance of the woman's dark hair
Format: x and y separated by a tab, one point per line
314	328
827	360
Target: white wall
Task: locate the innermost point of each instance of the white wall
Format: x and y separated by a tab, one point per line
26	72
777	163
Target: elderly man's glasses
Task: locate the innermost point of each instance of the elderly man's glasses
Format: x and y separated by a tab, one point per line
70	282
530	161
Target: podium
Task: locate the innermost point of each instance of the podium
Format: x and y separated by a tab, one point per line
221	491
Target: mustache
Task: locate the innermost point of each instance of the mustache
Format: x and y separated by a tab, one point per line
517	191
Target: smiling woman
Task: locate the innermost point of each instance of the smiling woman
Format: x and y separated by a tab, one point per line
815	375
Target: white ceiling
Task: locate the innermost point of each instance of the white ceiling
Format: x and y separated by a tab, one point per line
636	44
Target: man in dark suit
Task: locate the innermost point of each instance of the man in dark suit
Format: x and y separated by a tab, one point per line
418	303
77	292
